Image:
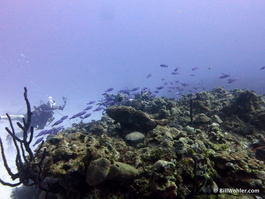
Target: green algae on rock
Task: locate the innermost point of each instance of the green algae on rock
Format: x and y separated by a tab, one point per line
100	170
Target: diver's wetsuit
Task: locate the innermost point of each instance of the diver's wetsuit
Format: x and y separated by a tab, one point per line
44	113
41	115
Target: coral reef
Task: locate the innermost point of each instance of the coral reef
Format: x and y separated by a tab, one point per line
133	119
154	148
102	169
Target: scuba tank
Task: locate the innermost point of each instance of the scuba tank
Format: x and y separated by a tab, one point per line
51	103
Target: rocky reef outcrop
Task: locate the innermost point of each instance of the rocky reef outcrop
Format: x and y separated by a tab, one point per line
162	148
130	118
102	169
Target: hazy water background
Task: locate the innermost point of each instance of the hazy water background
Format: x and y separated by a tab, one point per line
78	49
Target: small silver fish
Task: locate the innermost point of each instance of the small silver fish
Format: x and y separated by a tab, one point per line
38	141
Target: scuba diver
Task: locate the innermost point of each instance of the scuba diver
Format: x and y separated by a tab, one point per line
41	114
44	113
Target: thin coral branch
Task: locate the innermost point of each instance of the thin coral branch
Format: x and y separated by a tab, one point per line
24	155
28	129
21	126
4	159
9	184
31	134
29	114
12	134
19	162
27	144
39	147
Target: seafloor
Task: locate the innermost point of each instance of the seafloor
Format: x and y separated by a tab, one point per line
193	147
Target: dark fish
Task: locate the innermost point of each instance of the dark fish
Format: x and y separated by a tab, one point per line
124	91
45	132
57	122
110	97
135	89
184	84
91	102
86	116
176	69
175	73
223	76
64	117
163	79
195	68
109	89
38	141
88	108
98	109
78	114
55	131
176	81
262	68
50	131
231	80
156	91
179	88
149	75
42	133
164	65
110	102
159	87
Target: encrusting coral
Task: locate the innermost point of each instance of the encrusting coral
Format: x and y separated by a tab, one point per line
176	157
102	169
134	119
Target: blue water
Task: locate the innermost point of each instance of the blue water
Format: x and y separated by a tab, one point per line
79	49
